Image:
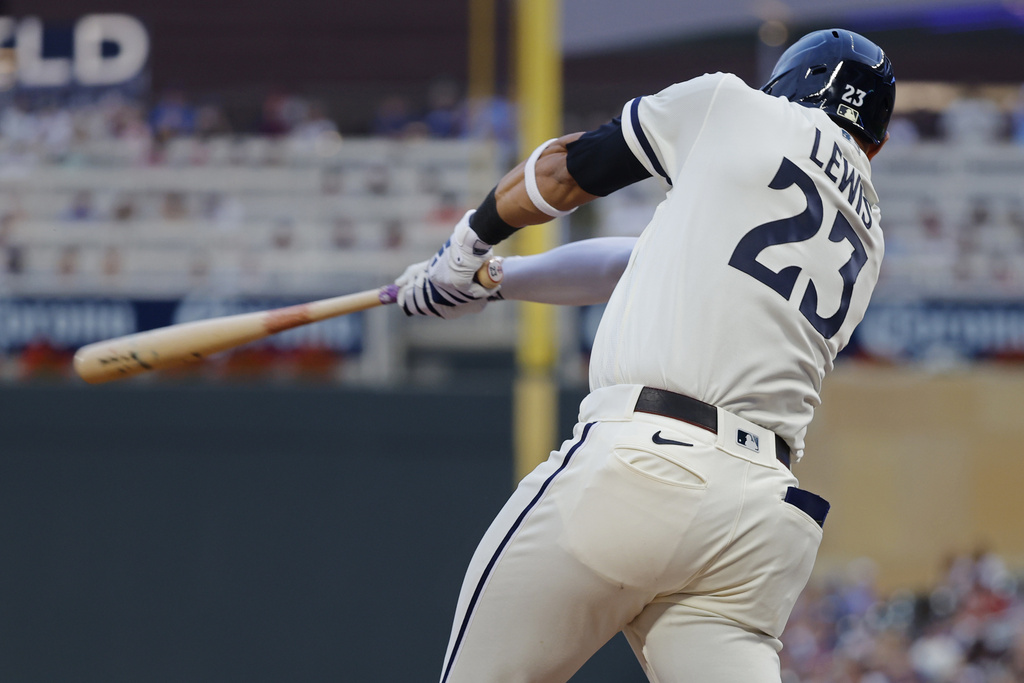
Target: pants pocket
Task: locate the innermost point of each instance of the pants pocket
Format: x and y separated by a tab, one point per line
628	520
813	505
660	467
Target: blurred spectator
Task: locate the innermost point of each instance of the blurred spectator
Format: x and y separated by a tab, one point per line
1015	216
332	181
13	255
67	262
226	211
55	131
448	210
282	114
995	232
972	119
174	207
1017	118
111	264
125	210
393	117
314	124
199	270
127	123
274	120
378	179
18	124
394	234
172	116
315	135
977	223
930	236
429	180
343	233
493	118
82	207
211	120
445	117
283	236
903	131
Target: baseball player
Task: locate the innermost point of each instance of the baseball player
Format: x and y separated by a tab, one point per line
671	513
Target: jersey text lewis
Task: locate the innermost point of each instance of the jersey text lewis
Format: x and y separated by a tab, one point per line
848	180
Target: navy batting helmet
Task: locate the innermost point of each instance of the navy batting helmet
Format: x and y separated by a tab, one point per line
843	74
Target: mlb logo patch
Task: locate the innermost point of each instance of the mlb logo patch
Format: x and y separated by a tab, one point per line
848	113
747	440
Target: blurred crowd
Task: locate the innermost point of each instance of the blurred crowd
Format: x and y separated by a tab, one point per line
971	118
969	628
976	250
49	127
360	202
52	129
182	197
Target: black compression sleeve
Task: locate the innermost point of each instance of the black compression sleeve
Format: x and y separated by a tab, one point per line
601	162
487	224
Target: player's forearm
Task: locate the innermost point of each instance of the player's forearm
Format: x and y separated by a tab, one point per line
554	183
534	192
575	274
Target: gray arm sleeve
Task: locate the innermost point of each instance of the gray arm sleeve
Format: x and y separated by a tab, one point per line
575	274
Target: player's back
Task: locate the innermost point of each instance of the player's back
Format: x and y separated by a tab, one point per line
759	263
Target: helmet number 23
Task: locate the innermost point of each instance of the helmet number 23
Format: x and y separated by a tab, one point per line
797	229
854	96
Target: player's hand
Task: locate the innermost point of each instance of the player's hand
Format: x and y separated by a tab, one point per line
445	286
417	295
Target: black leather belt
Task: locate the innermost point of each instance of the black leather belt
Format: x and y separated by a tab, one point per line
692	411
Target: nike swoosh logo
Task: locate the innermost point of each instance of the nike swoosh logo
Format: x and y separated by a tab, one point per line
659	439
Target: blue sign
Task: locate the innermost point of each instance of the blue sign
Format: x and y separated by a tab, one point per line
67	324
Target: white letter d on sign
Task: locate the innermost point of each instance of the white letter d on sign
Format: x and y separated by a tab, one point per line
92	32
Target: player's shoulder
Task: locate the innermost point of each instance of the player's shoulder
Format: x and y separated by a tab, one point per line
708	85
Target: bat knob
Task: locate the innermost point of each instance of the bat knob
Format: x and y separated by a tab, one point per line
388	294
491	273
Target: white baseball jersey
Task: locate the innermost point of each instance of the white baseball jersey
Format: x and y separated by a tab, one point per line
778	201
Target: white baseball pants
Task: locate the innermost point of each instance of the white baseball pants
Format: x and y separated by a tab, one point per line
687	547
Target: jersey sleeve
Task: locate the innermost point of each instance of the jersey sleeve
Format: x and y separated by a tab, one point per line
600	161
661	129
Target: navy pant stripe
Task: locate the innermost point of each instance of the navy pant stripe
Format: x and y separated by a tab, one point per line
501	548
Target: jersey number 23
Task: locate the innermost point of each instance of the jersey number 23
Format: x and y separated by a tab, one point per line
797	229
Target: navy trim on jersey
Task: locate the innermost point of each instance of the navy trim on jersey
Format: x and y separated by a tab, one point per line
501	548
638	131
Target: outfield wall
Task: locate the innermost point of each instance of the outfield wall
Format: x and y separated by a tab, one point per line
919	466
213	533
244	534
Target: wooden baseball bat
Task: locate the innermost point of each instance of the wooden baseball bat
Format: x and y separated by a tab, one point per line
191	342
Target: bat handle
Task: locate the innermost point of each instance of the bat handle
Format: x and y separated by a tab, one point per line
491	273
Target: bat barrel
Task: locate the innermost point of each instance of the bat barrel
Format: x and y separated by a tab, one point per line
167	347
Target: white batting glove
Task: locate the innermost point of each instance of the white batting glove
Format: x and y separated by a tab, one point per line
444	286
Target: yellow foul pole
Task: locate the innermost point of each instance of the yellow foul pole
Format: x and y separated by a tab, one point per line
482	39
539	100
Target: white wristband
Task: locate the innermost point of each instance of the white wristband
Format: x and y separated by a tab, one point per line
530	173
